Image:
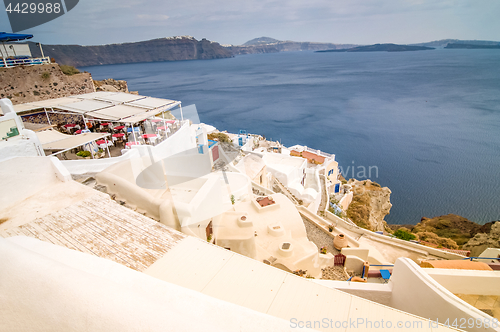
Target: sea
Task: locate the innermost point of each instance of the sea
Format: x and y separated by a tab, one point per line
426	124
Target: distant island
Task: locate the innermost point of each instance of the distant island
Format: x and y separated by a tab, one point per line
472	46
444	42
271	45
382	48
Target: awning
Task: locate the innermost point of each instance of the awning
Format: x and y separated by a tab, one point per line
105	106
141	117
116	112
7	37
86	106
21	108
120	97
150	102
54	140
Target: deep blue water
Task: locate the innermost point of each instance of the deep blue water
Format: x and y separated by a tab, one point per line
429	120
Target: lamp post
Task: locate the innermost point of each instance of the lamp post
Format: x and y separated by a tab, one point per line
41	50
13	49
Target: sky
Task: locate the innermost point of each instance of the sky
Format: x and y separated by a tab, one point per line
95	22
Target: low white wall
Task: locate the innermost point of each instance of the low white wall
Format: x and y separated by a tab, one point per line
414	291
391	241
380	293
61	172
345	201
314	218
467	281
96	165
17	147
20	179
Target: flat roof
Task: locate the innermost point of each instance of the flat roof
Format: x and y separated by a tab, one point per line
101	227
231	277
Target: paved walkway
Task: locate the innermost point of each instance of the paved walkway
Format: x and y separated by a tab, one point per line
237	279
319	237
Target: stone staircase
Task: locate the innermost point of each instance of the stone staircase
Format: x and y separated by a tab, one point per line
280	188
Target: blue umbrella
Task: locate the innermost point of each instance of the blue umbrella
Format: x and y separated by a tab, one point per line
7	37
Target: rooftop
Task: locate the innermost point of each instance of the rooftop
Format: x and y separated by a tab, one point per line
101	227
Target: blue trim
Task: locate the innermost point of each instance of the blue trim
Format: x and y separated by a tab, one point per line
211	143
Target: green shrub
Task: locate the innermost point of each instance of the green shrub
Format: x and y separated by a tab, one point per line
404	235
84	154
45	75
69	70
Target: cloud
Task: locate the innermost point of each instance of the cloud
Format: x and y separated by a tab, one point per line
235	21
155	17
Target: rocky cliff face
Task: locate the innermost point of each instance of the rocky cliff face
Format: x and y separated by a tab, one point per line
112	85
451	226
481	241
162	49
33	83
370	204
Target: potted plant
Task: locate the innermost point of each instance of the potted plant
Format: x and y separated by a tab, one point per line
323	250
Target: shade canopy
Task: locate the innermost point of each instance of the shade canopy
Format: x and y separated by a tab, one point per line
54	140
105	106
7	37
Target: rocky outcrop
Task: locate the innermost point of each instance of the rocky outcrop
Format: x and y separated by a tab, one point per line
162	49
112	85
451	226
25	84
433	239
481	241
370	204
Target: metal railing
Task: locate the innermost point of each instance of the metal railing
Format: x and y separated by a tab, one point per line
492	258
7	63
318	152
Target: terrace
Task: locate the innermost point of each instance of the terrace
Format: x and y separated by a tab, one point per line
122	120
18	54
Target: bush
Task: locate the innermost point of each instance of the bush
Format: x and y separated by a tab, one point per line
221	137
69	70
84	154
45	75
404	235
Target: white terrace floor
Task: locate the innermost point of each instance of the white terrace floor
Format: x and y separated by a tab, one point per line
99	226
237	279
